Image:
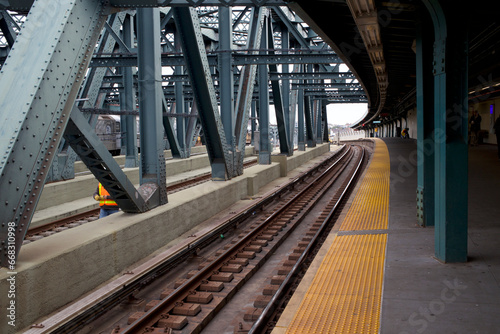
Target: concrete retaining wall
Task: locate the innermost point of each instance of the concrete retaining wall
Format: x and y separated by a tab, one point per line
298	158
120	159
55	271
57	193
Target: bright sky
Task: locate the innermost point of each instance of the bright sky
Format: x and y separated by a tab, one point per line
343	113
337	114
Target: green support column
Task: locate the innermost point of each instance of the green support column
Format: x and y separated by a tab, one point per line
179	99
300	121
450	121
129	127
152	164
425	122
264	142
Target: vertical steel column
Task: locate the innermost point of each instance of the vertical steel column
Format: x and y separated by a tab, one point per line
277	97
451	127
425	122
253	122
300	126
150	102
326	138
179	98
309	122
226	81
319	124
308	113
129	126
265	149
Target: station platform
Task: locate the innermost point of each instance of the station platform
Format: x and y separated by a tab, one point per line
377	273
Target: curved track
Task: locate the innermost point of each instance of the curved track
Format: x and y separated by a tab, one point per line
188	302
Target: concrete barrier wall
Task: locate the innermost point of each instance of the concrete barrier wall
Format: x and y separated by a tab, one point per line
57	193
120	159
55	271
298	158
369	143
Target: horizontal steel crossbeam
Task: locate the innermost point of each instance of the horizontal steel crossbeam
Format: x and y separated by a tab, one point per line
128	60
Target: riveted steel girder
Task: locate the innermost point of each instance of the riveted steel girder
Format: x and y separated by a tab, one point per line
170	133
226	80
187	22
125	60
278	99
38	90
128	102
247	83
82	138
24	5
62	167
264	140
191	3
7	27
152	162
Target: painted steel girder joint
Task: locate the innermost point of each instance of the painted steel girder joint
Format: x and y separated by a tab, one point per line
99	161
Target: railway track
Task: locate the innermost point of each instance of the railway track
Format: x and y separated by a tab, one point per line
197	298
187	303
46	230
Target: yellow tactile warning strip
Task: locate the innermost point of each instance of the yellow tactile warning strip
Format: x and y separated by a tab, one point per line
346	292
370	208
344	296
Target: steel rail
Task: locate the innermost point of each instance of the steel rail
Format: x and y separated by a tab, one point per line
169	302
91	312
261	322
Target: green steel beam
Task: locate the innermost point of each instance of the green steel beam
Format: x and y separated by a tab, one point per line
152	162
264	142
127	101
33	117
278	99
25	5
247	83
226	77
187	22
238	59
82	138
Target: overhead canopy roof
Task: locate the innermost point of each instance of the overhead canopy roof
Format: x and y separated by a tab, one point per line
387	68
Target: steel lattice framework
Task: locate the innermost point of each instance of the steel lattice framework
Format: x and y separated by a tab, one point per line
188	71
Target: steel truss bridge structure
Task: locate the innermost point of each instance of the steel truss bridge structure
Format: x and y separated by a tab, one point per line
182	69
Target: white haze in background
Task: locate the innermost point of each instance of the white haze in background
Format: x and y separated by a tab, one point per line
345	113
